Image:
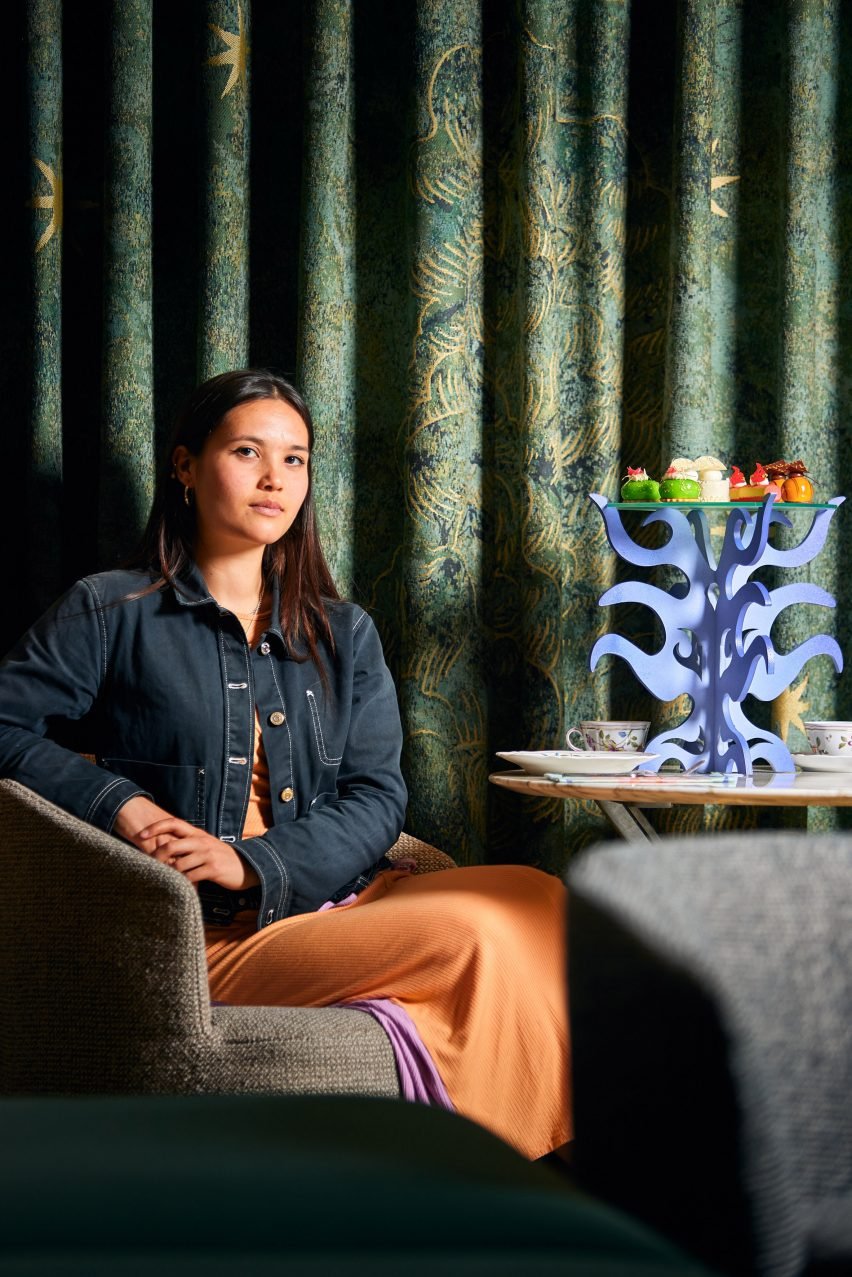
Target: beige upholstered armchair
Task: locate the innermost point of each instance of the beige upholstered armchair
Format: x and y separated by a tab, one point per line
103	982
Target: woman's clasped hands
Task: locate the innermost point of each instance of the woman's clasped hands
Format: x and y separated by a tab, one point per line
199	856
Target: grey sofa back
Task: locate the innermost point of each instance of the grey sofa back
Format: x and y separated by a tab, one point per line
711	1009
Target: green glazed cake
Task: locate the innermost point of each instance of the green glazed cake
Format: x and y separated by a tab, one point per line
677	486
638	487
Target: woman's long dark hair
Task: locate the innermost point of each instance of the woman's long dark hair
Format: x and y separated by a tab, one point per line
296	560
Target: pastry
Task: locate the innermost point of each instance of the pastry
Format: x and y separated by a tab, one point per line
758	487
711	476
792	477
765	481
714	486
683	465
736	483
638	487
680	485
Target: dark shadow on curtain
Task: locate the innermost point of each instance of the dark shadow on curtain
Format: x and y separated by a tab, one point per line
277	97
761	250
764	76
383	37
176	179
508	819
650	117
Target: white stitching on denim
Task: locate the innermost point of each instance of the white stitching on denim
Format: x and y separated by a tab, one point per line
99	612
318	736
278	690
98	799
201	795
185	601
280	863
248	780
224	657
360	621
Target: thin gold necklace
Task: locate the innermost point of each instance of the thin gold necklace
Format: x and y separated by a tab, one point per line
249	617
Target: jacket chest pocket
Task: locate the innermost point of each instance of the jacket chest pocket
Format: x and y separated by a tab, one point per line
179	788
324	730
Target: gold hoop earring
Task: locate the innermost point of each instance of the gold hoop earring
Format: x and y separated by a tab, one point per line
186	491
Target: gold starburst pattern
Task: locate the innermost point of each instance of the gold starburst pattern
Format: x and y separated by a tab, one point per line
716	183
787	709
236	56
52	202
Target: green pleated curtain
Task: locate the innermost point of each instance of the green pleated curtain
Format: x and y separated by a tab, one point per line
507	248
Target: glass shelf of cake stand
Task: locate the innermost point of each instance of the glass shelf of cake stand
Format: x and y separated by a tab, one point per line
715	505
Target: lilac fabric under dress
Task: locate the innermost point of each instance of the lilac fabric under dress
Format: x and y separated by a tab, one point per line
419	1080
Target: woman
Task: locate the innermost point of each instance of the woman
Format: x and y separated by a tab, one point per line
246	733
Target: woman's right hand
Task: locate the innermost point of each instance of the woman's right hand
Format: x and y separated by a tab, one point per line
136	814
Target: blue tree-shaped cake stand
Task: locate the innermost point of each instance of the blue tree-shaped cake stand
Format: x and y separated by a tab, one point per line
717	624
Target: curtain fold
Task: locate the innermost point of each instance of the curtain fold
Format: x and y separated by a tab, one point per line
807	414
808	315
223	333
441	676
44	252
327	339
506	248
689	403
127	435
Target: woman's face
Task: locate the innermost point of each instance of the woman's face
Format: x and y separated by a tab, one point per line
250	479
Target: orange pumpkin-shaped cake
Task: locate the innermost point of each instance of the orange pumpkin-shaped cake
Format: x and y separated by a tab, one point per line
797	488
792	476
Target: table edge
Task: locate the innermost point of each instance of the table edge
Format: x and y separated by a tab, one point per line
638	794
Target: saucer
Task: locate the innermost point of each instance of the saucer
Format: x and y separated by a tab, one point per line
589	762
823	762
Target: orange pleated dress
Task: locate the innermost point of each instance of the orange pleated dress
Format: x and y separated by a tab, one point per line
475	957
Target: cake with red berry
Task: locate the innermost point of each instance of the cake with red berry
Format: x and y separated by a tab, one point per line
758	487
680	482
638	487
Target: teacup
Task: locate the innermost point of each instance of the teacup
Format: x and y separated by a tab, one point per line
627	735
833	738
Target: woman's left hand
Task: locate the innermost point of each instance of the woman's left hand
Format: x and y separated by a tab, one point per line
198	855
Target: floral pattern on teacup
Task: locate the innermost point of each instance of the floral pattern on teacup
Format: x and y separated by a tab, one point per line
615	741
831	742
609	737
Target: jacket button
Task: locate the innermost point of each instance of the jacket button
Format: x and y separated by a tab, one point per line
286	795
276	718
264	649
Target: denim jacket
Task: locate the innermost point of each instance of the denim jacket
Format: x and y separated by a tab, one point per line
162	689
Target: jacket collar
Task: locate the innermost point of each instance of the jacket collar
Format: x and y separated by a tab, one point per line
191	590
